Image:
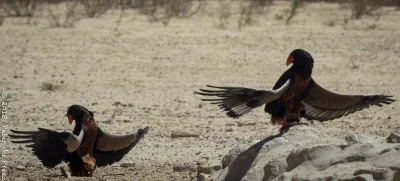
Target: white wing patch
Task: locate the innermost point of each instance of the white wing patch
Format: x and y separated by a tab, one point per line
74	141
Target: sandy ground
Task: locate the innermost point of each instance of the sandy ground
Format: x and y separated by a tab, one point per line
153	69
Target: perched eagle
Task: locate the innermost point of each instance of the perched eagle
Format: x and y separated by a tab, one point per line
293	96
84	149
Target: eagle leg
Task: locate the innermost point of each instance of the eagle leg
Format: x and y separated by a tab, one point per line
91	173
286	124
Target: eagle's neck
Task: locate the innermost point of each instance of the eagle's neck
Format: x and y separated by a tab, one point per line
78	127
304	70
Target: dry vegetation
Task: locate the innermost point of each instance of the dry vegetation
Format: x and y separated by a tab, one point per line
133	71
65	13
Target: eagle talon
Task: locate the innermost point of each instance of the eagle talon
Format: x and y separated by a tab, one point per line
91	173
286	124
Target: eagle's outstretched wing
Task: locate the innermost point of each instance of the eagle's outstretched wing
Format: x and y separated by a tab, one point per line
51	147
322	105
237	101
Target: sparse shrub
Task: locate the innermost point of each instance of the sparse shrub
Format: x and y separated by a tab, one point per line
278	16
224	13
21	8
246	15
1	20
47	86
247	11
294	5
346	20
372	26
397	3
65	18
365	7
162	10
331	23
96	8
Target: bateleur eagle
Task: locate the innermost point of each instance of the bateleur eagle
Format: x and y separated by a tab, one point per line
293	96
84	149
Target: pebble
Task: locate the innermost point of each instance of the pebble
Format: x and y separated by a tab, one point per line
203	177
230	129
180	134
393	138
20	168
184	168
209	167
127	165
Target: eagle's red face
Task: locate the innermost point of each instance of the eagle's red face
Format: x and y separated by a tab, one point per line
289	60
70	118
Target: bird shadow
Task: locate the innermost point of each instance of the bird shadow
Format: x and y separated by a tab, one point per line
242	163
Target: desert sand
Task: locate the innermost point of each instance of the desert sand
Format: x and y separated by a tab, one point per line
145	73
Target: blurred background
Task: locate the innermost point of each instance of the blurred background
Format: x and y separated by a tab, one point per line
136	63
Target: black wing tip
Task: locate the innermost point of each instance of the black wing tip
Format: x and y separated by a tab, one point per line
232	114
388	98
22	132
213	86
21	141
312	118
145	129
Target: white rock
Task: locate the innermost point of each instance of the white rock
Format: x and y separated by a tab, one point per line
304	153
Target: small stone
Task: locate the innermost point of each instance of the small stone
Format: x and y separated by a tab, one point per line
393	138
209	168
200	162
20	168
240	124
107	122
203	177
127	165
65	172
21	148
180	134
351	139
230	129
184	168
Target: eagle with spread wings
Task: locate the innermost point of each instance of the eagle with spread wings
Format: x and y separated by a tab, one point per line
294	95
86	148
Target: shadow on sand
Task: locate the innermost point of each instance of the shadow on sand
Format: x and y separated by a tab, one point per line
242	163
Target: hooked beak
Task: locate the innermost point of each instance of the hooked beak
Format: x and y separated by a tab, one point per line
70	119
289	60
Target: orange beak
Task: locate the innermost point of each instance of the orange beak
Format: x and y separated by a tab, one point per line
70	119
289	60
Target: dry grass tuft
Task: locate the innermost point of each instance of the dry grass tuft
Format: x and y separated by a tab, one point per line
365	7
163	11
64	15
48	86
248	9
225	12
96	8
294	5
21	8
